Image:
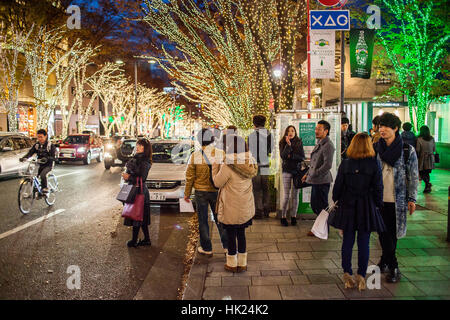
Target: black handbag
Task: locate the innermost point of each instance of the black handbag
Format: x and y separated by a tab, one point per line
127	193
297	179
436	158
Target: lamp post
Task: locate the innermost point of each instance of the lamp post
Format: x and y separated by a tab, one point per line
151	61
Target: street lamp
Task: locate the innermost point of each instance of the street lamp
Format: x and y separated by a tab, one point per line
277	73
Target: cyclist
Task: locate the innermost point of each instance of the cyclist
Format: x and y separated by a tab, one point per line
46	152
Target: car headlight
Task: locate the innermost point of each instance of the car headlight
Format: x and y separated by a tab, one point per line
81	150
109	146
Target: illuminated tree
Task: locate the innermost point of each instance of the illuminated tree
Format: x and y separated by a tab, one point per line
151	104
12	72
47	58
222	63
170	117
79	64
106	91
107	74
287	18
414	38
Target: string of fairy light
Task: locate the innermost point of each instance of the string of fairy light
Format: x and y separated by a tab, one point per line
11	78
414	52
221	60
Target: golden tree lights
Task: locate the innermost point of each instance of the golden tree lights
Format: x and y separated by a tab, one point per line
228	49
46	56
12	72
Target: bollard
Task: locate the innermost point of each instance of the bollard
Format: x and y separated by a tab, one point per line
448	216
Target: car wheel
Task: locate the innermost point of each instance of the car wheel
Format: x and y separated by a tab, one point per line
107	165
88	159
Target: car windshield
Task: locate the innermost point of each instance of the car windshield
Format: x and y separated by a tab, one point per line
77	140
129	145
171	152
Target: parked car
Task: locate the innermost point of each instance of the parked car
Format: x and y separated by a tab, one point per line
81	147
119	152
13	146
167	177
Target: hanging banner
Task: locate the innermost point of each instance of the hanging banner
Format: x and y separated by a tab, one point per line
323	44
361	52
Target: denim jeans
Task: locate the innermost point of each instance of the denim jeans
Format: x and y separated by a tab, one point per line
363	251
202	200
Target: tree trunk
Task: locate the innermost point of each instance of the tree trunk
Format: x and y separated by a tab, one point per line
12	118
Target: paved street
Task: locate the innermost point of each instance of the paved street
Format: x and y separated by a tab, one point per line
88	232
285	264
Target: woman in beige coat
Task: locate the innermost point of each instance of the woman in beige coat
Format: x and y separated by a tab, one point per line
235	203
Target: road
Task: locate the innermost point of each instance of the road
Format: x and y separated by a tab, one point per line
85	230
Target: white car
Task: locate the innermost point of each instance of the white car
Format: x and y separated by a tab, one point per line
13	146
167	177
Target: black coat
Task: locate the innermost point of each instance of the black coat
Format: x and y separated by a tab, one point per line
43	151
359	191
139	166
292	155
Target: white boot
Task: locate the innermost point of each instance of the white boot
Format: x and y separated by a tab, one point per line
242	262
231	264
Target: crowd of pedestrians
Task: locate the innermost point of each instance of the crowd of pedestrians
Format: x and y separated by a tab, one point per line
374	189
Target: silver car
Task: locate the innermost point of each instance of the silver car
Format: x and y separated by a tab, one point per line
13	146
167	177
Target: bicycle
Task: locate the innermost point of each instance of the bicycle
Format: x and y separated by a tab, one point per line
31	189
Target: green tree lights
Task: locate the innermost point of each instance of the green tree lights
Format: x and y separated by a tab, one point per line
414	37
172	116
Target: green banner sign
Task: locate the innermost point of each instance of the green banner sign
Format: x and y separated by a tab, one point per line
361	52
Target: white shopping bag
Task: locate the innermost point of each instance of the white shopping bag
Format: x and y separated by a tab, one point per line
186	206
320	227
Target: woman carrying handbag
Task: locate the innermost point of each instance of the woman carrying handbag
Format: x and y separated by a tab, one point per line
426	147
136	174
359	192
292	154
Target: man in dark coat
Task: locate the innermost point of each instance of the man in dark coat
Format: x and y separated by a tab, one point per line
46	152
260	145
346	136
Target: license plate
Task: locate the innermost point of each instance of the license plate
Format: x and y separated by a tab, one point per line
66	155
157	196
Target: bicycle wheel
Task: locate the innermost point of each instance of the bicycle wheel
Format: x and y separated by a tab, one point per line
52	185
25	196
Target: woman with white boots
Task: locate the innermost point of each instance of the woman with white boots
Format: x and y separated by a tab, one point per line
235	203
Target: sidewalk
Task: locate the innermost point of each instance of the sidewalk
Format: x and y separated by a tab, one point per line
285	264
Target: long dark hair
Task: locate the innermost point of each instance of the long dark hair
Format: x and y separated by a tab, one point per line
424	133
283	139
147	148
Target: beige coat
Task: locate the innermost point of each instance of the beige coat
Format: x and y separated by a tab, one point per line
235	203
